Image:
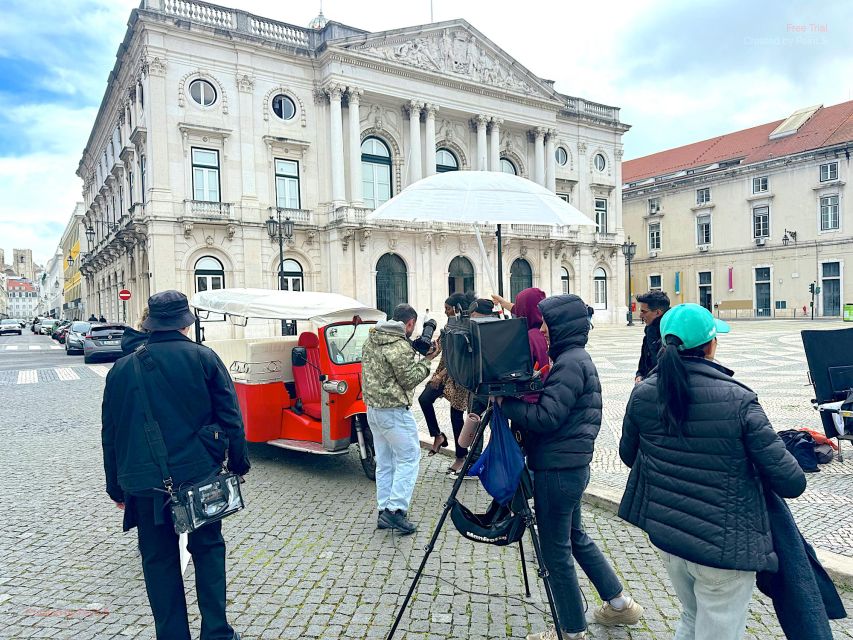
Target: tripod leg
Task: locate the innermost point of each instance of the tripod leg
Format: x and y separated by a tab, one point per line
451	500
524	568
543	573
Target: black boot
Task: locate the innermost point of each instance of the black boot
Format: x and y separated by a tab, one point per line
399	521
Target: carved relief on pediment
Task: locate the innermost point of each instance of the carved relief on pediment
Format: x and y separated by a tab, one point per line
455	52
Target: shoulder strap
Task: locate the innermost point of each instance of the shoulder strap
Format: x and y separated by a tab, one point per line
151	365
152	429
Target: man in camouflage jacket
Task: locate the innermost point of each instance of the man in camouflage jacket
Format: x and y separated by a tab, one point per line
391	369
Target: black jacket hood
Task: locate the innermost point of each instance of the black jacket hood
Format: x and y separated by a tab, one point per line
568	322
132	339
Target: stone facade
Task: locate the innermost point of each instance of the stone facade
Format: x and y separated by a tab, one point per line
207	106
774	227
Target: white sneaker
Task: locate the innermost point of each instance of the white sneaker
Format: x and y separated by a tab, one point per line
608	616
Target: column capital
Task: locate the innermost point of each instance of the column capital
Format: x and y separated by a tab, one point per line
354	93
334	90
431	109
552	133
496	122
539	132
481	120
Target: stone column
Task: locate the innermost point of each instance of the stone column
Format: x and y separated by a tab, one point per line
355	186
539	156
550	161
429	140
482	151
415	172
495	148
336	140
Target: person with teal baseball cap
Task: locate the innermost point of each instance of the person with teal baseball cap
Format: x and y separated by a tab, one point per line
700	446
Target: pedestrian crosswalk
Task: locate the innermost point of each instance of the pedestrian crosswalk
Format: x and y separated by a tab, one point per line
54	374
30	347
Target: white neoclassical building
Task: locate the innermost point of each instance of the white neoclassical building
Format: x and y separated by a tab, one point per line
215	120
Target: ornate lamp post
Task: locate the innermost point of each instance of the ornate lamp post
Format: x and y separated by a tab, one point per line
90	236
629	249
283	230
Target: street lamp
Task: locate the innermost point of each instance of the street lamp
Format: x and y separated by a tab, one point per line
90	236
70	261
789	235
629	249
283	230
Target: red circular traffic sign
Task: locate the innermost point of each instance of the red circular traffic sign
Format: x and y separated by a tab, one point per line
124	294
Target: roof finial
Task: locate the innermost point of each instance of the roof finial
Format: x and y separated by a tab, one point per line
320	21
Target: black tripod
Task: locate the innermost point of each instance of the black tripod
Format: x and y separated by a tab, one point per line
524	511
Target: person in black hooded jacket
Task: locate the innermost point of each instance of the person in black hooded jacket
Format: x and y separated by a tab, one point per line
559	434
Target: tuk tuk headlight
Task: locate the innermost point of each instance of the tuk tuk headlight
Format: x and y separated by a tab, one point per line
335	386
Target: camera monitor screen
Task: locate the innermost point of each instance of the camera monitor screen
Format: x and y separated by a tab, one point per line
830	358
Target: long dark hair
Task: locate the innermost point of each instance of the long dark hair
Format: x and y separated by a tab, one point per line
673	383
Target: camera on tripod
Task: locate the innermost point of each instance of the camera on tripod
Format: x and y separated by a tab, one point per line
490	356
423	343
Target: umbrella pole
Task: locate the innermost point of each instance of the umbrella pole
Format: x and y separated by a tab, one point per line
500	263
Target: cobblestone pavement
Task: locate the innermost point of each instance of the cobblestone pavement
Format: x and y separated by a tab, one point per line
304	559
766	355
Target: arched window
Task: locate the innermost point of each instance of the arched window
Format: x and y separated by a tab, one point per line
460	277
520	277
599	280
375	172
291	276
445	161
508	167
564	280
392	284
209	274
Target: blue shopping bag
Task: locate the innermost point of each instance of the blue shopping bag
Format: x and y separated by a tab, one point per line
499	467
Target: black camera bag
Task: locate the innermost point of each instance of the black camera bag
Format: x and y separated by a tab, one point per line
489	356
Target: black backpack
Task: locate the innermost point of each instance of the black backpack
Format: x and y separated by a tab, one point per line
802	447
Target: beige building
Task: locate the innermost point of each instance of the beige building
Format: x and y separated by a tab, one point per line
745	222
73	306
214	120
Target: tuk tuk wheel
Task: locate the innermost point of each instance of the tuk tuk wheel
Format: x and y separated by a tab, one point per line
368	463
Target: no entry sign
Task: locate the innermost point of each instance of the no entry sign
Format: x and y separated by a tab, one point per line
124	294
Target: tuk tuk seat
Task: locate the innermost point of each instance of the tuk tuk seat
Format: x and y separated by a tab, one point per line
307	376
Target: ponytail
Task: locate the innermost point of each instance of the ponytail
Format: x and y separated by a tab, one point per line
673	383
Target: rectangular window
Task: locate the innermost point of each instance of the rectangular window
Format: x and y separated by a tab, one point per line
654	236
829	219
703	195
205	175
655	283
761	222
565	197
654	206
759	185
829	171
703	229
781	304
143	178
601	214
287	184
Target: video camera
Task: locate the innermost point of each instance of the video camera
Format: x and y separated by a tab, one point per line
490	356
423	343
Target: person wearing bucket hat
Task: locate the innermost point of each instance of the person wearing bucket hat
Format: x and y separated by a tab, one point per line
194	402
700	446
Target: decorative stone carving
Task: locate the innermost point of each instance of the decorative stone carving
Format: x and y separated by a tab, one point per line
582	147
210	241
375	114
550	249
230	231
245	82
200	73
619	153
154	65
365	236
453	52
320	96
346	236
463	244
392	242
522	251
310	236
188	229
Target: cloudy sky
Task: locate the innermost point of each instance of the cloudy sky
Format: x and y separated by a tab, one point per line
680	71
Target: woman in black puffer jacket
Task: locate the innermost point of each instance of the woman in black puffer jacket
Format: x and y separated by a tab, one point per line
699	446
559	436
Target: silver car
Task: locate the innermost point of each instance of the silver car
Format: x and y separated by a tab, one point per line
10	326
103	342
75	337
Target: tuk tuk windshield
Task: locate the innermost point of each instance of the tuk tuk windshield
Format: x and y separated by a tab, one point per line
345	342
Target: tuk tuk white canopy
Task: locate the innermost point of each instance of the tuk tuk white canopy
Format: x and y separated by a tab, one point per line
271	304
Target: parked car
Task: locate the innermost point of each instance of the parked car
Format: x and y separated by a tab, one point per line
103	342
75	337
43	326
10	326
60	333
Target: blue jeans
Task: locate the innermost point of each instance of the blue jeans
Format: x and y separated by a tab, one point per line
714	602
398	456
557	495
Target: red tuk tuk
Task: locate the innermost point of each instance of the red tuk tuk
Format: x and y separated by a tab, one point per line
299	392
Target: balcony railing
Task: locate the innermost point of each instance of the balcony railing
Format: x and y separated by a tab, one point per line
204	209
299	216
581	107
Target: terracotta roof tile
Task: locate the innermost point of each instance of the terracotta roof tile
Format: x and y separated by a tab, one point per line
828	126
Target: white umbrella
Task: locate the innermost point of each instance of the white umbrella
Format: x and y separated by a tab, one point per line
480	197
